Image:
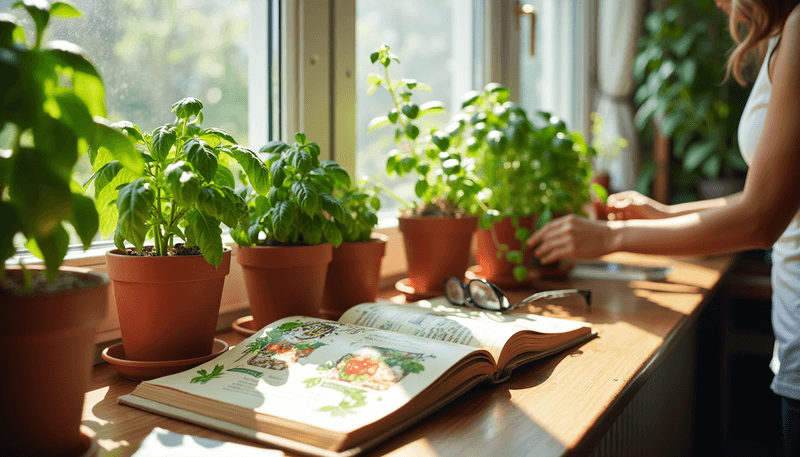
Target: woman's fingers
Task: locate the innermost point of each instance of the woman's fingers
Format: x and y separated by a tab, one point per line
570	236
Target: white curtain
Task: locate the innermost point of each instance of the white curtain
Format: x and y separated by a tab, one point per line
619	27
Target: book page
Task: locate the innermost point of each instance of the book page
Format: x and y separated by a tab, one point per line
436	319
325	374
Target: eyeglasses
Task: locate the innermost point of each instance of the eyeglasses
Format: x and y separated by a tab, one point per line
482	294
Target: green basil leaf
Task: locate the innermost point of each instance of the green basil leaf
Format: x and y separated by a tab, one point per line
310	229
182	183
300	160
278	173
441	139
300	137
186	108
58	143
84	218
130	129
412	131
118	145
202	158
43	196
39	12
254	168
431	107
65	10
119	240
68	108
208	235
305	194
420	187
86	81
334	169
215	136
212	201
133	204
224	177
161	142
411	110
8	27
283	215
52	248
332	233
274	147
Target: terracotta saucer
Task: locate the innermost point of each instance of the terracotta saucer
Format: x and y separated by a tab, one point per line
412	294
143	371
88	443
474	272
244	325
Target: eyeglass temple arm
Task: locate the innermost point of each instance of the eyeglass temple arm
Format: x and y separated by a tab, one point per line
587	295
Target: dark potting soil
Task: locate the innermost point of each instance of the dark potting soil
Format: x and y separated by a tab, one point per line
437	208
14	283
150	251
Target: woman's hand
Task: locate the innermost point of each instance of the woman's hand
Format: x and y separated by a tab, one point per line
571	236
633	205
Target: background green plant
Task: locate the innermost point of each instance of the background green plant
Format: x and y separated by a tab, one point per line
525	166
53	100
361	200
187	190
299	207
679	71
445	178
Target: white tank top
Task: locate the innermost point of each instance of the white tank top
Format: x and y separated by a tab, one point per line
785	252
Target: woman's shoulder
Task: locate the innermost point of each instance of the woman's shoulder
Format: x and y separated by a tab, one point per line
791	28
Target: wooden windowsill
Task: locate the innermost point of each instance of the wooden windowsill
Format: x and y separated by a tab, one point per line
563	404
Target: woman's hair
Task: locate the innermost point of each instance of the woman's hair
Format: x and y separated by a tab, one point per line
760	19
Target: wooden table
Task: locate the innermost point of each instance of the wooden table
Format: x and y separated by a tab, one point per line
559	406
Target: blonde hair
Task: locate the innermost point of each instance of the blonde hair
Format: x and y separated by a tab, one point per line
758	20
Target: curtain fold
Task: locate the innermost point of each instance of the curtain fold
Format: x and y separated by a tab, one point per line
619	27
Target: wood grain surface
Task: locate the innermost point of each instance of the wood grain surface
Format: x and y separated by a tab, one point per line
557	406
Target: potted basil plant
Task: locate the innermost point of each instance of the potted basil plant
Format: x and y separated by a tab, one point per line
51	103
354	272
287	245
168	294
531	170
438	227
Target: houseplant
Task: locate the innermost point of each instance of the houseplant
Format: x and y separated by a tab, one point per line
437	229
52	106
287	245
185	193
531	170
354	272
679	73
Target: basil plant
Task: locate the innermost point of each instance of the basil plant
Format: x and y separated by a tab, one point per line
299	207
187	190
51	110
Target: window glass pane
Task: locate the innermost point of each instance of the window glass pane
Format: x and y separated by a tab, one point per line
152	53
436	44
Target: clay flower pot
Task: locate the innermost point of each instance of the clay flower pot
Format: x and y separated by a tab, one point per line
353	275
48	352
501	270
283	281
436	247
168	306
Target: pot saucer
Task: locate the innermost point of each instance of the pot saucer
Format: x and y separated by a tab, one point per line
146	370
509	283
413	294
244	325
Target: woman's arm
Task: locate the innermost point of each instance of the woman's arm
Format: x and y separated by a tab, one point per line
771	196
633	205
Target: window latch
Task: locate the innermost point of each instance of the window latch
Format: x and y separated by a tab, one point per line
527	10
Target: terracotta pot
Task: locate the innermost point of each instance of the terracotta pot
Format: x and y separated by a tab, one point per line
168	306
501	270
436	247
284	281
48	352
353	276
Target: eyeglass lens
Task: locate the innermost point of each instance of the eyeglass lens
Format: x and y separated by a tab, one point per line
483	295
454	291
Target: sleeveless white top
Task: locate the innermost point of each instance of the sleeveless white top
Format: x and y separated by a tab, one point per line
785	252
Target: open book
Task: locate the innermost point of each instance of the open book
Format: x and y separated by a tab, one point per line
320	387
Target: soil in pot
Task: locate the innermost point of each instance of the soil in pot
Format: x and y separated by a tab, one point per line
168	306
48	352
353	276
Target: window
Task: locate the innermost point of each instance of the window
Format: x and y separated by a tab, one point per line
156	52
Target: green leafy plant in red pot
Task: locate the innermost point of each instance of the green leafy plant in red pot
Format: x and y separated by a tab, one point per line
354	272
438	227
531	170
286	248
51	107
168	294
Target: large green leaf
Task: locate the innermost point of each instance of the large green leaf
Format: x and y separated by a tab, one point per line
8	27
305	194
214	201
58	143
86	81
133	204
335	208
106	201
215	136
310	228
224	177
277	172
84	218
202	158
52	248
334	169
161	141
332	233
254	168
182	183
39	12
62	9
118	145
697	153
186	108
300	160
103	176
43	196
208	236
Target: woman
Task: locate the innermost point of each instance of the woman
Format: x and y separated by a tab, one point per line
763	215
